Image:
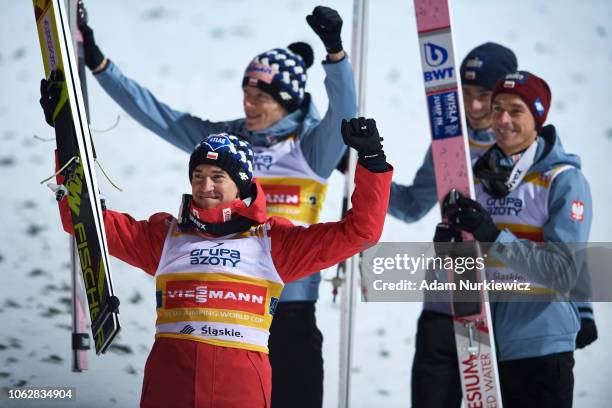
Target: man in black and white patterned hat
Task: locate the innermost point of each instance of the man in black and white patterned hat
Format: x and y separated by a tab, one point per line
281	74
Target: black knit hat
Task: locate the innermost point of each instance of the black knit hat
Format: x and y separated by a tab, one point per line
231	153
486	64
281	72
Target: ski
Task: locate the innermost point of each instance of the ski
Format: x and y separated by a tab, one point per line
75	155
451	155
351	267
80	338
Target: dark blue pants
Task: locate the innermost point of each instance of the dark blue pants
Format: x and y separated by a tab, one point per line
296	356
542	382
435	371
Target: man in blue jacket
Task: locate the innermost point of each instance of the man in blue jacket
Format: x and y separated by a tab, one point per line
480	70
435	359
529	191
295	153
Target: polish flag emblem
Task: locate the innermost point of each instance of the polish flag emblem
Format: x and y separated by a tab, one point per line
227	214
577	211
212	155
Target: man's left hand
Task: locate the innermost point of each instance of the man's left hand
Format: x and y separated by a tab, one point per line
327	24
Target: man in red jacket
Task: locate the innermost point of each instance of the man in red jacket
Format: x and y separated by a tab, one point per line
221	266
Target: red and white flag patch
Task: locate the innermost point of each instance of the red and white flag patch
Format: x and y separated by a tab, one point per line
577	210
227	214
212	155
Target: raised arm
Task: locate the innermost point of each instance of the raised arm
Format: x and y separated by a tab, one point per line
322	144
299	251
179	128
138	243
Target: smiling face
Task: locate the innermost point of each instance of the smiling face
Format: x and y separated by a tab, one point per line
477	101
513	123
211	186
260	109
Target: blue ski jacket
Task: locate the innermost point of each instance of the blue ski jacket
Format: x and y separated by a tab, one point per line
320	138
531	329
411	203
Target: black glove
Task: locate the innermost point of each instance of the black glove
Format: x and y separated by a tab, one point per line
361	134
468	215
327	24
587	333
93	55
50	91
444	237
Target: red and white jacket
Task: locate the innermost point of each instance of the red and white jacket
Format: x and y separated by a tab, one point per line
223	290
216	295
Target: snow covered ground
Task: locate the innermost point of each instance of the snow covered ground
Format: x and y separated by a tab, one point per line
192	55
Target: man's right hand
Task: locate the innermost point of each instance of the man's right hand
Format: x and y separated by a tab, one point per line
587	333
444	238
469	215
50	91
94	59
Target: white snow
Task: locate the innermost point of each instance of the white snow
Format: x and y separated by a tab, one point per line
192	55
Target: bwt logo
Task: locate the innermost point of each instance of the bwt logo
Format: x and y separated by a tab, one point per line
436	56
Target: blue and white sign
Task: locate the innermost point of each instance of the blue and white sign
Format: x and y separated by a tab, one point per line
444	115
438	60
